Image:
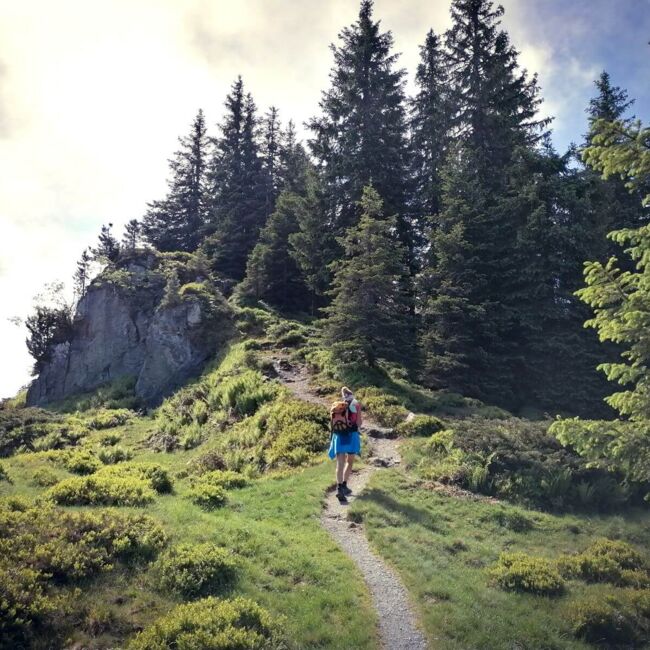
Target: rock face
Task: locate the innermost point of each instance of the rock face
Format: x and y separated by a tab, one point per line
124	329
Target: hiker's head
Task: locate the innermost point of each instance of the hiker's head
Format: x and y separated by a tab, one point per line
346	394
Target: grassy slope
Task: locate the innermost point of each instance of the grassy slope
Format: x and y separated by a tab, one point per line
289	564
442	547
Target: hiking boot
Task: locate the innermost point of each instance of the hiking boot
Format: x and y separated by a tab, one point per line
340	494
346	490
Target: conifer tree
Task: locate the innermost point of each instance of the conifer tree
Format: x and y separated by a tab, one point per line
271	151
294	163
81	277
108	248
132	235
495	103
272	274
240	188
360	137
312	245
176	222
429	123
368	318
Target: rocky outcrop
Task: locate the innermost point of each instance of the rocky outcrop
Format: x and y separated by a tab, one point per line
127	326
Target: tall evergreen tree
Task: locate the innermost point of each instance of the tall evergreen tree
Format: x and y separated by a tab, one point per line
239	185
495	102
294	163
272	274
81	277
429	126
360	137
368	317
176	222
311	245
271	151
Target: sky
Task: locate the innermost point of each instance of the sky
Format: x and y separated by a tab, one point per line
93	96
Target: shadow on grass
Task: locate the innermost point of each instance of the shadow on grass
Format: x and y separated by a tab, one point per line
414	514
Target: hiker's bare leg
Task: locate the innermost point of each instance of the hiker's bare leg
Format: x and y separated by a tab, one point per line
340	467
348	466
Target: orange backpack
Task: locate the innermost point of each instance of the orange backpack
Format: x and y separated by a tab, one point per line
340	417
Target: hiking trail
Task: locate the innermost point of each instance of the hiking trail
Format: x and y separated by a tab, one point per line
398	628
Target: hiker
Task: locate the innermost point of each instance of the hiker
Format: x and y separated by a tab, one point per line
345	422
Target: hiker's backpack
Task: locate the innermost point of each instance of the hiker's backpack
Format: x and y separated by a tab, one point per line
340	417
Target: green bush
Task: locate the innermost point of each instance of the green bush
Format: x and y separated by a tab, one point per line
155	475
386	409
607	561
195	570
113	455
81	462
251	321
516	460
101	489
3	474
213	624
521	572
109	439
23	603
224	478
207	462
244	393
44	477
420	425
512	519
20	427
207	495
109	418
615	621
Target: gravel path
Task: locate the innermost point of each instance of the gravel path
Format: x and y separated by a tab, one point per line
398	628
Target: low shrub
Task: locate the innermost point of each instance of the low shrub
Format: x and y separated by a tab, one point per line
23	604
213	624
244	393
517	460
109	418
207	495
44	477
225	478
20	427
113	455
110	439
386	409
521	572
155	475
614	621
207	462
420	425
64	546
4	476
195	570
607	560
81	462
101	489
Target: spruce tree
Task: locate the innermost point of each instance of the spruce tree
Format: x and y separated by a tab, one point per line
360	137
240	187
429	124
132	235
368	318
272	274
81	277
495	103
293	161
176	222
313	244
108	248
271	151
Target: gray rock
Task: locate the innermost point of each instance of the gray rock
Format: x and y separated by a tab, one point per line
119	332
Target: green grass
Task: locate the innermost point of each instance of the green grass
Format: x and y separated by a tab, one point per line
444	547
288	563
